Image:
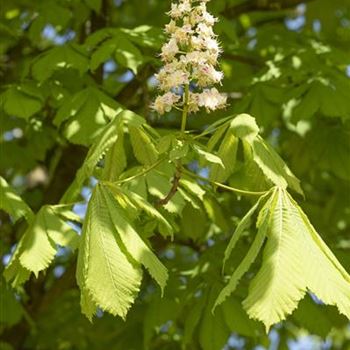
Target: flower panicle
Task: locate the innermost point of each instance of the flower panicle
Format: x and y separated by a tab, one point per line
190	58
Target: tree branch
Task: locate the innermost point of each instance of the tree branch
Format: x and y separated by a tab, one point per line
173	189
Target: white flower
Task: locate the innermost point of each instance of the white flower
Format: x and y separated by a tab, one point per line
165	102
190	59
211	99
173	79
205	30
206	74
181	34
169	50
209	19
170	27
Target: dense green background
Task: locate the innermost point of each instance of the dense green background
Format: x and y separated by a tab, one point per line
287	63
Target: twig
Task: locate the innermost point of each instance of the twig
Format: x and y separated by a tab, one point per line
173	189
229	188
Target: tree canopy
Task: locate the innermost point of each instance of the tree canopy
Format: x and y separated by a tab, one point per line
174	189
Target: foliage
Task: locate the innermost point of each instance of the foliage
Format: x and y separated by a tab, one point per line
230	234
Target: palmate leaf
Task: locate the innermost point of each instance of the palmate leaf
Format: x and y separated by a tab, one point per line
59	58
106	275
38	246
110	256
85	114
22	101
121	48
109	135
295	260
243	127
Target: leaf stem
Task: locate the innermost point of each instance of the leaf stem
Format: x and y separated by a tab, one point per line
185	109
141	173
229	188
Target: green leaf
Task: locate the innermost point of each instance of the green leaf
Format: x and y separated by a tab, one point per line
119	46
11	310
243	225
209	157
106	274
136	247
192	319
316	318
22	101
244	126
227	153
252	253
146	36
144	149
59	57
38	246
295	260
273	166
12	203
110	253
115	160
157	314
85	115
237	319
213	331
179	150
107	138
193	187
144	205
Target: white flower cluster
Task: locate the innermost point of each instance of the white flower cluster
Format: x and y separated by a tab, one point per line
190	57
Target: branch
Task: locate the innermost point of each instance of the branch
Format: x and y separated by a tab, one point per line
253	61
173	189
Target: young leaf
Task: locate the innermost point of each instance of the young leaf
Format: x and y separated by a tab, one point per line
136	247
244	126
142	204
252	252
115	160
243	225
295	260
144	149
209	157
107	138
108	278
273	166
38	245
227	153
